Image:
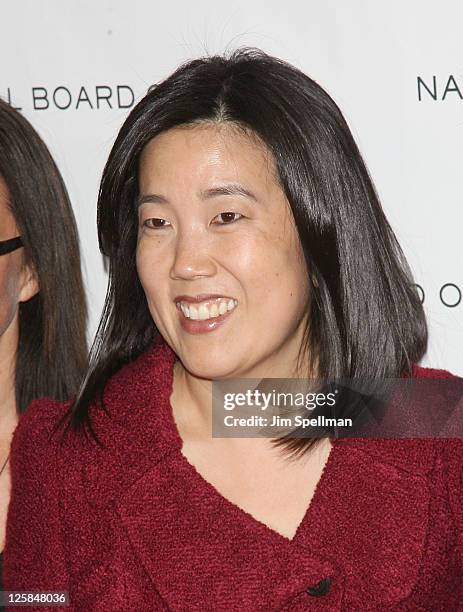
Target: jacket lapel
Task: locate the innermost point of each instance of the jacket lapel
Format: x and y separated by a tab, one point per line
199	548
372	517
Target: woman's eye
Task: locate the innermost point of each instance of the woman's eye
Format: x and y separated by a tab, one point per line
228	216
154	223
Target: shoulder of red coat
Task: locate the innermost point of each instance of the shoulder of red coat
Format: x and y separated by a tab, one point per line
35	453
418	455
38	425
426	372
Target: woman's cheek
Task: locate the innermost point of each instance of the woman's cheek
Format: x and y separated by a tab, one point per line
146	264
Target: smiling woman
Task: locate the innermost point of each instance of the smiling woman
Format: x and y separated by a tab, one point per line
230	209
224	227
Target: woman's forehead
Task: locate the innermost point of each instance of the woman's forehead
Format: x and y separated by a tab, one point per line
206	151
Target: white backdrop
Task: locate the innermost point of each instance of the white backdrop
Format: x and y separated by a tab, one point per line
395	68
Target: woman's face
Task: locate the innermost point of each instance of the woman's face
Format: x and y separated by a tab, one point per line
213	219
16	283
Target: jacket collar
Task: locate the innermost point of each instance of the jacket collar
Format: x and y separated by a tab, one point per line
138	428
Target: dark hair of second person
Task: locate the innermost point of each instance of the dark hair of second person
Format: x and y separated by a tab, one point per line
52	350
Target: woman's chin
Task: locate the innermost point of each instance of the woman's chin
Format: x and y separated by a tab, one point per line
209	368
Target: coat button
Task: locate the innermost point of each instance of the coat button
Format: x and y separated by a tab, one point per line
319	589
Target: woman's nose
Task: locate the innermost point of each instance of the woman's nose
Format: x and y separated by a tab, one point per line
193	255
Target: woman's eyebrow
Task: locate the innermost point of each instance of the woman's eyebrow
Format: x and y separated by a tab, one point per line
230	189
150	198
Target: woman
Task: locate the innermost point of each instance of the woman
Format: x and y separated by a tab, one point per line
42	302
245	240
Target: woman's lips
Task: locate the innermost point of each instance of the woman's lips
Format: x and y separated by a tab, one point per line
200	327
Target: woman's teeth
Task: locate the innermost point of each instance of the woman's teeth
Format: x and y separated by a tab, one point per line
202	312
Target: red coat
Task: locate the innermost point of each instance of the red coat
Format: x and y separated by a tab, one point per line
135	527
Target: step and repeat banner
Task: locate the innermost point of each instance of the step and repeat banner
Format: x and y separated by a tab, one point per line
75	69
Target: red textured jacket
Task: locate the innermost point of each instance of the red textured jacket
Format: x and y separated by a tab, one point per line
134	527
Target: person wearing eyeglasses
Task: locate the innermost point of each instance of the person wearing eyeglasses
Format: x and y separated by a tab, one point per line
8	246
43	311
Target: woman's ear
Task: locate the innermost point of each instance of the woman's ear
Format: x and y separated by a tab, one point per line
29	283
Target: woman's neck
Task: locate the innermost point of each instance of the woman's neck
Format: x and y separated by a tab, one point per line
191	399
8	411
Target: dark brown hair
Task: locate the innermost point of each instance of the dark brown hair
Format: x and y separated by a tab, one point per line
52	350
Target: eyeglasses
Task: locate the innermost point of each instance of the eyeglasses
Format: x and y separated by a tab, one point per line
7	246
